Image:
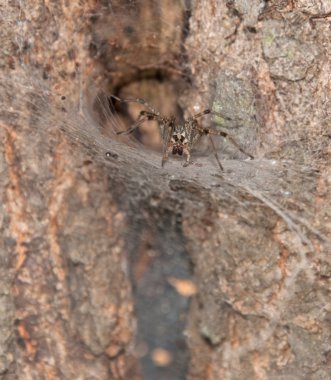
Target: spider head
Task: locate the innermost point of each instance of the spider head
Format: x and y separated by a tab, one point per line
178	142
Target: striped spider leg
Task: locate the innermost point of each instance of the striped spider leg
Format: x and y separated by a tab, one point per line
198	131
179	138
166	124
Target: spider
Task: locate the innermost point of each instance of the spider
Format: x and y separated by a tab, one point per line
179	139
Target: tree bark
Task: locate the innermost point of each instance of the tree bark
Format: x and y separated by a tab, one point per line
115	268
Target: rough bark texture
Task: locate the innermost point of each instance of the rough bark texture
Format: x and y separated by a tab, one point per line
99	252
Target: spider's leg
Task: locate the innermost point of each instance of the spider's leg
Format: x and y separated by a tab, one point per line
186	151
167	148
209	111
137	100
136	125
230	138
215	153
166	155
205	112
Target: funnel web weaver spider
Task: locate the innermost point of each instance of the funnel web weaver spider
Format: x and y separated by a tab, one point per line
179	139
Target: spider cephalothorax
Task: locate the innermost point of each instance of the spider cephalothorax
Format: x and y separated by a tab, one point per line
178	143
178	139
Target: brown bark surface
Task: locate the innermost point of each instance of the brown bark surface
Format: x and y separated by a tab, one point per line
115	268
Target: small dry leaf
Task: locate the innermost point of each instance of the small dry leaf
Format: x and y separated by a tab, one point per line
184	287
161	357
